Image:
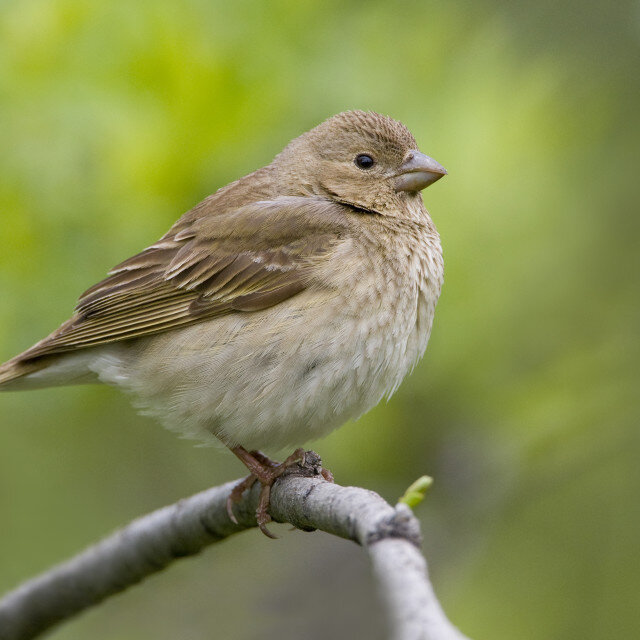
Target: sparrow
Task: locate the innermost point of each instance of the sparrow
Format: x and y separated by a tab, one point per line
278	308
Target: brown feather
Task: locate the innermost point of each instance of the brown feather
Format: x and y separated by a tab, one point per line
253	244
246	260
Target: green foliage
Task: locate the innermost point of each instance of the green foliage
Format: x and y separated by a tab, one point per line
116	117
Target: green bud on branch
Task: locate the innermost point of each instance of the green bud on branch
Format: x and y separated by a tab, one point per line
414	495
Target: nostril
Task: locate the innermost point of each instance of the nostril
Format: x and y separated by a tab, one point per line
409	157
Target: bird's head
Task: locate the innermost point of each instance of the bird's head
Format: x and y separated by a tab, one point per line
359	158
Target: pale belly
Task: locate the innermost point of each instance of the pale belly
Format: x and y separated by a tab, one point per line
281	377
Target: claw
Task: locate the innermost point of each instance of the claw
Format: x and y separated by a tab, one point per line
266	472
262	515
236	495
232	516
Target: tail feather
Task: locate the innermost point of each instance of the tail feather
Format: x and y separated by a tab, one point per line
42	366
22	372
12	371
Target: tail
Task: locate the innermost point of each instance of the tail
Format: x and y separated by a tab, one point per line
33	369
22	373
14	373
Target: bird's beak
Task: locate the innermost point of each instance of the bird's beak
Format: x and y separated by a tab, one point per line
417	172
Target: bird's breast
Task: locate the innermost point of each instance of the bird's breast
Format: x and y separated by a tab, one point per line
392	299
293	372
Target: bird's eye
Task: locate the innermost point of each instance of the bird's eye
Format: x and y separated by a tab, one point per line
364	161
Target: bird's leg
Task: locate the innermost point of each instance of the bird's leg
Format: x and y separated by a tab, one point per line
265	460
266	472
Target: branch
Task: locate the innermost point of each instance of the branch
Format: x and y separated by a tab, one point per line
391	537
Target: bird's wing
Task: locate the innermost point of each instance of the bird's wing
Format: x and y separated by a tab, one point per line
247	259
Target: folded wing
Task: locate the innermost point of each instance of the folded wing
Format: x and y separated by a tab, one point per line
243	260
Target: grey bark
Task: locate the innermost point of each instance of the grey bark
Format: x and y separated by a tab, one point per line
391	537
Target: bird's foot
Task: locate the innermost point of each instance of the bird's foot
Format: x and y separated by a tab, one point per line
266	472
326	474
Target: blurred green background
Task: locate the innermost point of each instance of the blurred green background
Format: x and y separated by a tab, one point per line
116	117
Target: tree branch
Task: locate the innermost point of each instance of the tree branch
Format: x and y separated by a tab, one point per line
391	537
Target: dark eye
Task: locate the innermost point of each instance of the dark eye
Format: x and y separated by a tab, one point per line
364	161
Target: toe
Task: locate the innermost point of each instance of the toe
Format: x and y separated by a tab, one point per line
230	513
327	475
262	514
236	495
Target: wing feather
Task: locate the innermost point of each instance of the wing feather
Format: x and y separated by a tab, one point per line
243	260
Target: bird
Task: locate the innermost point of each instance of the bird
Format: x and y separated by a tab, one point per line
281	306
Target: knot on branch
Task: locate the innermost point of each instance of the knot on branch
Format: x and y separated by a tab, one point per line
400	524
310	466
